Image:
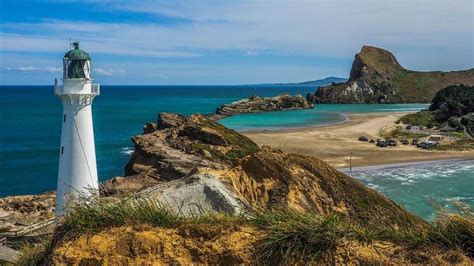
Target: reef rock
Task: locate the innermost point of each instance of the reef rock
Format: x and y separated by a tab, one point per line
256	104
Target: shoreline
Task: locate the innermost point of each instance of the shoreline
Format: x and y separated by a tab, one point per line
369	168
346	119
336	142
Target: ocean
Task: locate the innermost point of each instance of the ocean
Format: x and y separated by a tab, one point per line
30	132
420	187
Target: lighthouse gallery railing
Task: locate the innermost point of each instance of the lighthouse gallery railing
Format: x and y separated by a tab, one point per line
59	90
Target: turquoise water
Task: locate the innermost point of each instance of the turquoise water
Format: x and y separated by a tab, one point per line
30	118
321	114
416	186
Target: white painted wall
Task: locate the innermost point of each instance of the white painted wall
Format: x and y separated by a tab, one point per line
77	173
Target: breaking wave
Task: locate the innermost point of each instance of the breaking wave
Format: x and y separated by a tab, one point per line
127	151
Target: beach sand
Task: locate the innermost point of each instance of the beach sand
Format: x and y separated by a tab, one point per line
334	143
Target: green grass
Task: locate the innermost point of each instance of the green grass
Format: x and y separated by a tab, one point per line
457	134
241	145
35	254
422	118
289	236
459	145
400	133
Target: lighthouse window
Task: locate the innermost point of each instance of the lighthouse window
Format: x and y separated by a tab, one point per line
78	69
64	118
62	149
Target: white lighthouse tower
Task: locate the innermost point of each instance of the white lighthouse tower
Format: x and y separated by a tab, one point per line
77	174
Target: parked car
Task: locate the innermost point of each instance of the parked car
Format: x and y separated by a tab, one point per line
363	138
372	141
392	142
429	144
414	142
405	142
420	144
382	143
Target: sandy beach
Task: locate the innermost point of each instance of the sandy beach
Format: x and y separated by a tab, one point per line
334	143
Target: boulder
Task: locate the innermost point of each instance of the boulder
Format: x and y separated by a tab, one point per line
167	120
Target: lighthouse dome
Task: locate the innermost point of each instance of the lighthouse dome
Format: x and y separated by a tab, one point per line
77	54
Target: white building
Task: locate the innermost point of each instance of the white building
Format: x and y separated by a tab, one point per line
77	174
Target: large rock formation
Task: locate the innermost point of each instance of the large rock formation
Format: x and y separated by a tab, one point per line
227	171
256	104
377	77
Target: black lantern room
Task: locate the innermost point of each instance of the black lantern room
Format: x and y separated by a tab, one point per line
77	64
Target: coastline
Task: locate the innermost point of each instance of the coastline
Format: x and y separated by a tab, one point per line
357	169
346	119
334	143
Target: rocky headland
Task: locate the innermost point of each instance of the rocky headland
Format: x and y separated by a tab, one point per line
377	77
255	104
194	165
196	148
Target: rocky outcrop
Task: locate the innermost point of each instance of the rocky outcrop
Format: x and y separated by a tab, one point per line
224	170
256	104
19	212
377	77
182	143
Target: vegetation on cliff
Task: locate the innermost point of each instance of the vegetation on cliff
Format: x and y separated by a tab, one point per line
451	107
199	149
134	231
258	205
377	77
256	104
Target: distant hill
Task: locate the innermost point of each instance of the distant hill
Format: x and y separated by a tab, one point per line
452	108
317	83
377	77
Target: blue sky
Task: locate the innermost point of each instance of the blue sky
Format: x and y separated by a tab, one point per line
228	42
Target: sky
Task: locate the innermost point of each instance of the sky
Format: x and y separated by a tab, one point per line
200	42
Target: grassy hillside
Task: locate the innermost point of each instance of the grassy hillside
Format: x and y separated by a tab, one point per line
140	231
377	77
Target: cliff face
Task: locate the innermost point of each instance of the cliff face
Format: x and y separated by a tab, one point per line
377	77
202	155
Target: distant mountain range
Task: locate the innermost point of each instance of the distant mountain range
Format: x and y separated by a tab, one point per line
320	82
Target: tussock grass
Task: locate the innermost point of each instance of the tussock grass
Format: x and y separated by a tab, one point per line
291	233
288	235
97	214
35	254
455	230
306	236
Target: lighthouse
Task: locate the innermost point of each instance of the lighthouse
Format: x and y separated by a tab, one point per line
77	173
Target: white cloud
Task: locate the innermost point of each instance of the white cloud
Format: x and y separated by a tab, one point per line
251	53
108	72
428	35
331	28
33	69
